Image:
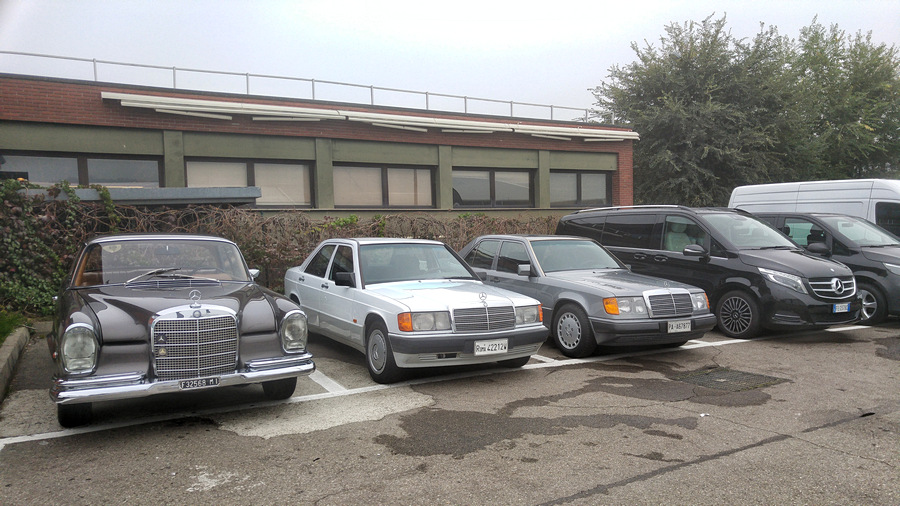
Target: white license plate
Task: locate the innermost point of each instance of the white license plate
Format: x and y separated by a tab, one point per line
679	326
198	383
842	308
492	347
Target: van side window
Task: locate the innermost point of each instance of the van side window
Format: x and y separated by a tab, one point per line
629	231
482	256
588	226
803	232
887	215
679	231
512	254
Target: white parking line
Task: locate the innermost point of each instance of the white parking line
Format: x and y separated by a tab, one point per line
327	383
543	358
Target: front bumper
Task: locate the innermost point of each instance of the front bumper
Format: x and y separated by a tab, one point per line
435	350
135	385
784	309
609	332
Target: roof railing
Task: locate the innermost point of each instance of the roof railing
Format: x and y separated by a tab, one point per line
283	86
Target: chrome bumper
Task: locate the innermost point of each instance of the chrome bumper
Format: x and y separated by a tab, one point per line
134	385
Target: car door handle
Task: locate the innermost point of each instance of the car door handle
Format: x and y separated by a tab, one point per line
302	278
661	258
640	256
325	286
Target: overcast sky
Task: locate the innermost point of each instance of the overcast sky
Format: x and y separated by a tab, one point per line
547	53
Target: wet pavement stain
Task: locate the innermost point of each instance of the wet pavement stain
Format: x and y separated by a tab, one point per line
889	347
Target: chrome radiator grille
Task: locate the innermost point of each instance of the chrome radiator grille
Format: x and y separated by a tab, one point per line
670	304
834	288
478	319
189	348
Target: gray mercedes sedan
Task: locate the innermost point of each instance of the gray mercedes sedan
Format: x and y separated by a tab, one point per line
589	297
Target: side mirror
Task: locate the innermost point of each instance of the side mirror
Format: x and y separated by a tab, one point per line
524	270
482	275
819	248
345	279
254	273
694	250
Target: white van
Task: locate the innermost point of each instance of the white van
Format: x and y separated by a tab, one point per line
877	200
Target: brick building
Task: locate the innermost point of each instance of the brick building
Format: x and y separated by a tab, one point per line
156	145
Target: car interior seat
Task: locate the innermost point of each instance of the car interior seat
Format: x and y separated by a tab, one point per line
676	237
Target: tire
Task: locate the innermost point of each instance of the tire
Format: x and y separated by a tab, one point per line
874	305
738	315
572	332
514	363
74	415
278	390
379	355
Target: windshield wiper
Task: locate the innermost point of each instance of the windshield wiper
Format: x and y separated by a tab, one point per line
778	247
154	272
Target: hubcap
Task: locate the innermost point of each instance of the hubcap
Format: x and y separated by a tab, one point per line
568	330
377	351
869	304
736	315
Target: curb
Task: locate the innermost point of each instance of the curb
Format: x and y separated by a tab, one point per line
10	353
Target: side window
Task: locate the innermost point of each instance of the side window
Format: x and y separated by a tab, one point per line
319	263
887	216
512	254
590	227
803	232
343	261
629	231
482	256
679	231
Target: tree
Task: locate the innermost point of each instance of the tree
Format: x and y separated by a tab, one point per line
715	112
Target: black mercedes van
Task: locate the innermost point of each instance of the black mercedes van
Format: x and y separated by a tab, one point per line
754	275
871	252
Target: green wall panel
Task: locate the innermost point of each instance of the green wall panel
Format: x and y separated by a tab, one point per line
492	157
248	146
584	161
384	152
80	139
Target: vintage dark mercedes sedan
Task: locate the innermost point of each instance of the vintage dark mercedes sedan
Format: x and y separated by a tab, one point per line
148	314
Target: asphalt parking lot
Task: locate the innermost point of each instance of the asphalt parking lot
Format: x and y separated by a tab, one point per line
810	417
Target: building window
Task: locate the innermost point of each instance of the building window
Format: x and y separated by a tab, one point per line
114	173
383	187
216	174
492	188
282	184
580	189
83	171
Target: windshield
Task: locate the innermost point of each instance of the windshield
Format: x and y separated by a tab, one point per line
862	232
745	232
571	255
386	263
124	261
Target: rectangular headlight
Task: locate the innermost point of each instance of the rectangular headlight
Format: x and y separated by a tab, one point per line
528	314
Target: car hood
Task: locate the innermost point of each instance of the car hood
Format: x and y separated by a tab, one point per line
438	295
889	255
618	282
124	312
795	261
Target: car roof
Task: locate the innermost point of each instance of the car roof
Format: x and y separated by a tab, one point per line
533	237
156	237
655	207
386	240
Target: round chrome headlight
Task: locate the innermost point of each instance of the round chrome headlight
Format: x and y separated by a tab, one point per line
294	331
79	348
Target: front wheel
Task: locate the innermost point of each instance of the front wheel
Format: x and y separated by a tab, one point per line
278	390
74	415
874	305
380	356
738	315
572	332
